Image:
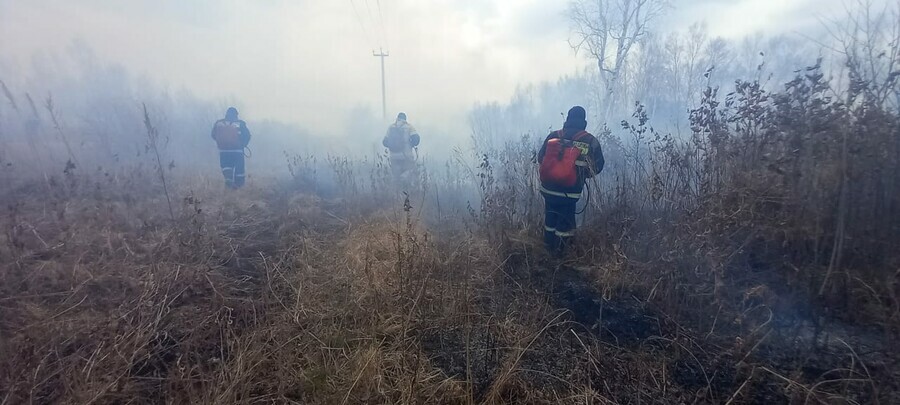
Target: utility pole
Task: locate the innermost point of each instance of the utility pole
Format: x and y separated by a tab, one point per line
382	54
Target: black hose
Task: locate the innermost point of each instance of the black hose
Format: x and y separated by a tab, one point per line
587	200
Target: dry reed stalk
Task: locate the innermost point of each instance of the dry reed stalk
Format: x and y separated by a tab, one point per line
51	109
153	137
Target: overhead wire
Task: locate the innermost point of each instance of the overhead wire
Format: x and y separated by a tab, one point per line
360	21
383	26
372	18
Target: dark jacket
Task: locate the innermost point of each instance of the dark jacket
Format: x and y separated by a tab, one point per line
244	132
400	140
594	160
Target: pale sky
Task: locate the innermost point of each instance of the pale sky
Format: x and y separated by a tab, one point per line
310	61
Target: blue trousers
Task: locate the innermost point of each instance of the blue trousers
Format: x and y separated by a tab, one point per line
559	223
232	163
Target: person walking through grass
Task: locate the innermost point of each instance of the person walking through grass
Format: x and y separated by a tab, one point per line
232	137
567	158
400	139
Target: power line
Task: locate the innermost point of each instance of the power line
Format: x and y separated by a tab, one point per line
371	18
381	53
383	29
359	19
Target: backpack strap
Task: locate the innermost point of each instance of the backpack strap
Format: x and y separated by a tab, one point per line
561	134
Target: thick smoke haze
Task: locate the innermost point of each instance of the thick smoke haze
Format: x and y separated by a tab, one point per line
592	201
309	65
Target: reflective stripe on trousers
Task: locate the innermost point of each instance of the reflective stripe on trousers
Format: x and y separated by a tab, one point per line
559	222
559	233
232	164
560	194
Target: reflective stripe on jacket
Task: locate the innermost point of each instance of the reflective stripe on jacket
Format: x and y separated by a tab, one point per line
589	164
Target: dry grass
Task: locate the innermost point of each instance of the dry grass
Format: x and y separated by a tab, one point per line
271	296
701	275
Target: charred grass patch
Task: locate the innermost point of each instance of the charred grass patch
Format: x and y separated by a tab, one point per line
731	266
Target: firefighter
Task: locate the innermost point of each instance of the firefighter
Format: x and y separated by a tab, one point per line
231	136
567	158
400	139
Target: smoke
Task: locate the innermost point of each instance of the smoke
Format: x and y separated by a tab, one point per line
303	76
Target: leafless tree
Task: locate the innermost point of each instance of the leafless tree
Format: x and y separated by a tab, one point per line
869	39
650	73
720	57
695	44
608	30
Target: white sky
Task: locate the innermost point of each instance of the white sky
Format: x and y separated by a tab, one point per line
310	61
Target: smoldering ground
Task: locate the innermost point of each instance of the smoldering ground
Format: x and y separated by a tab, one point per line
737	248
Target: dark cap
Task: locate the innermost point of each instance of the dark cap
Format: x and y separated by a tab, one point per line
576	118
